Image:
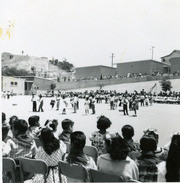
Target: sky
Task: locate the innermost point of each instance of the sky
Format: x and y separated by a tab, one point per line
87	32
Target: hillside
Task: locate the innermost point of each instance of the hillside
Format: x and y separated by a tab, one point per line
41	64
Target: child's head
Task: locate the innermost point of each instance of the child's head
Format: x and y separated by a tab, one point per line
67	124
51	124
127	132
34	121
116	147
19	127
153	133
78	140
103	123
148	143
12	119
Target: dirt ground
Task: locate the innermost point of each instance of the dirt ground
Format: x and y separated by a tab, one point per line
163	117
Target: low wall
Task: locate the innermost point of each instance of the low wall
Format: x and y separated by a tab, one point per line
101	83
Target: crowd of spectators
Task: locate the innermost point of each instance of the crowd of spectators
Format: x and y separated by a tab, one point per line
118	154
129	75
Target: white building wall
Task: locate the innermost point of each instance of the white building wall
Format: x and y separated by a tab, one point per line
13	84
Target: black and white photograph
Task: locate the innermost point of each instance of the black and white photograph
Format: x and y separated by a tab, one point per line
90	91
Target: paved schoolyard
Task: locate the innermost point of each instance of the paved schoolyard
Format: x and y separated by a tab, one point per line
164	117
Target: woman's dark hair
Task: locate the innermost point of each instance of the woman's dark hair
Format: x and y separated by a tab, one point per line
52	124
76	155
5	130
20	125
148	143
12	119
173	160
78	139
118	149
3	117
33	120
127	131
103	123
66	123
50	143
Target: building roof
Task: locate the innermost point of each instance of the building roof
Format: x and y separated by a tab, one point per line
96	66
144	61
171	53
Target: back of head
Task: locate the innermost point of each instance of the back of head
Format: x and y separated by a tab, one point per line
5	130
33	121
173	160
117	148
148	143
50	143
20	126
51	124
3	117
127	132
103	123
78	140
12	119
153	133
67	124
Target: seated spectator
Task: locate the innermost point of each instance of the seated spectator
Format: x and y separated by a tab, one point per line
160	152
128	133
20	145
11	121
34	127
168	171
76	155
98	137
147	161
51	152
51	124
116	161
5	129
67	126
3	118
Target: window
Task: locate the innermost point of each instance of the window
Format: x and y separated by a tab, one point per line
14	83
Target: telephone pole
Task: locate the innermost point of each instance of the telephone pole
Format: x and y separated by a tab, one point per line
112	57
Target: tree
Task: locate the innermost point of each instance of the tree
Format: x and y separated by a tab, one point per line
65	65
52	86
12	71
165	85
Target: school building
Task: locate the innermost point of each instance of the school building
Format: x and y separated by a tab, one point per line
94	72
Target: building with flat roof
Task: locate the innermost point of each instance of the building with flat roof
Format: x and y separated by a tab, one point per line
13	84
147	67
95	72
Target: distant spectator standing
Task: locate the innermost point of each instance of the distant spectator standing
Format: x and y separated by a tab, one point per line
86	105
41	103
58	101
34	101
125	105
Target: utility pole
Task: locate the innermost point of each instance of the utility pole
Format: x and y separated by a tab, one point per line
112	57
152	49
